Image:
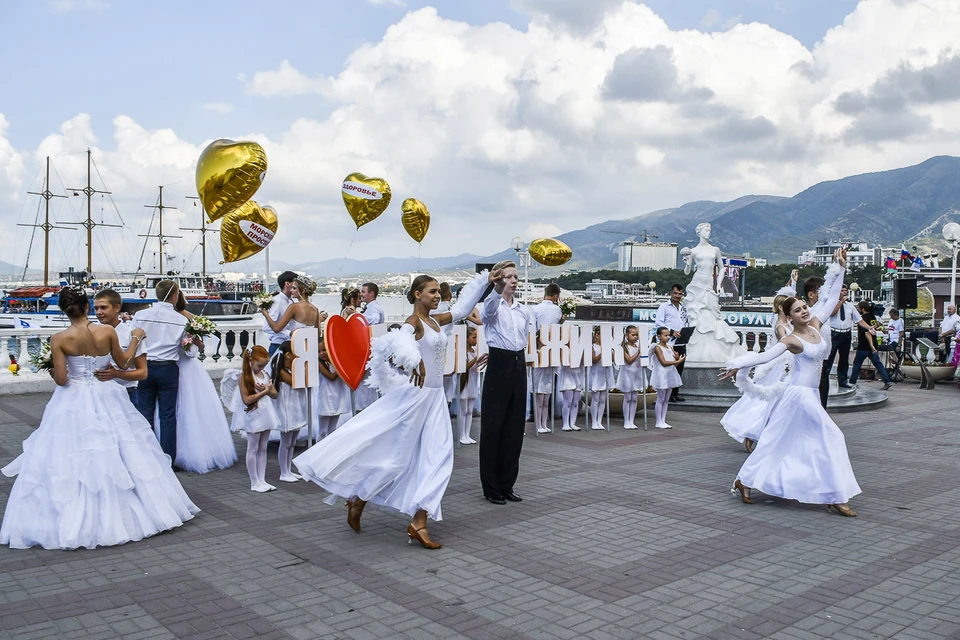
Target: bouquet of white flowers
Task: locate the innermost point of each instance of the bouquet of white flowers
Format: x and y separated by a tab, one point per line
199	326
42	360
568	306
264	300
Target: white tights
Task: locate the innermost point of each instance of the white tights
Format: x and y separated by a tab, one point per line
629	409
326	426
543	410
465	420
663	399
598	403
257	457
285	453
570	407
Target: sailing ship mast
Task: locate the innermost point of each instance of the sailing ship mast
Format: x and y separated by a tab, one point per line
46	194
161	238
203	234
89	224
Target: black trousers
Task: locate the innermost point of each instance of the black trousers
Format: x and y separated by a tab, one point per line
841	342
681	351
503	402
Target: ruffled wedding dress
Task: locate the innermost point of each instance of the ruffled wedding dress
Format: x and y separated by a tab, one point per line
93	473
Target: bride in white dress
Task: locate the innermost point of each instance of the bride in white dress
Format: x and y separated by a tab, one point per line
802	455
93	473
398	453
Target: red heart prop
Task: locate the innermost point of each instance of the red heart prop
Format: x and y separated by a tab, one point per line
348	345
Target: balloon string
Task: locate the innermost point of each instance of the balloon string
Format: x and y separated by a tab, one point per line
419	248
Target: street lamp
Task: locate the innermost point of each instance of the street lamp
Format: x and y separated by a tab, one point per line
653	289
854	287
951	233
524	257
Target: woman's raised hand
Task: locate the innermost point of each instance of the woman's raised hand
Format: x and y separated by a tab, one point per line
419	375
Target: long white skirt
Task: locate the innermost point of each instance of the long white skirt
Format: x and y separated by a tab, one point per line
397	454
750	414
802	454
92	474
204	441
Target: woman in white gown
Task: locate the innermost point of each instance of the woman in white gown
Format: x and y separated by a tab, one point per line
802	455
398	453
92	474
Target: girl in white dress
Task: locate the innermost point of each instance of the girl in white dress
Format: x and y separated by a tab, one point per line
469	387
251	395
291	409
601	381
92	474
663	373
398	453
630	381
802	455
570	383
333	395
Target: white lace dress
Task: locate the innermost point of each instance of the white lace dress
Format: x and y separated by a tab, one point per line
93	473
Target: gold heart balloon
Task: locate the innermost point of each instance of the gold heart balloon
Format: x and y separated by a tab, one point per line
415	218
246	231
550	252
365	198
228	174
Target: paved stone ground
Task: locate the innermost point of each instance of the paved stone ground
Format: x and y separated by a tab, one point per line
620	535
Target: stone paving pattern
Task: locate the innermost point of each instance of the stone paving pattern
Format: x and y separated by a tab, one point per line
620	535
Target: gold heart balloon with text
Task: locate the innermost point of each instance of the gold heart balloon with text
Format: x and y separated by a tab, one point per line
550	252
228	174
365	198
415	218
246	231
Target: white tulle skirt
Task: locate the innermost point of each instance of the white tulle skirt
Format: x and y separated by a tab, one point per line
397	454
92	474
204	441
802	454
750	414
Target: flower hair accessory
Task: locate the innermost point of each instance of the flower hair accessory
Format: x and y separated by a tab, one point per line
309	286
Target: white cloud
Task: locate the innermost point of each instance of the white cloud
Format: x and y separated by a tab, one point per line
11	167
219	107
541	230
502	131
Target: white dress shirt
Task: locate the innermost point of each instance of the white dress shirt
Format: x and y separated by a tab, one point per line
547	313
950	322
670	316
165	331
280	303
505	326
851	317
124	329
374	314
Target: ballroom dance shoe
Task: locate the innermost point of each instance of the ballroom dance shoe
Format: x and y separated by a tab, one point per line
495	499
512	497
843	510
421	536
744	492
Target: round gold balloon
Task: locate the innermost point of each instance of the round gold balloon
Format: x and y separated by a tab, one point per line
415	218
228	174
365	198
550	252
246	231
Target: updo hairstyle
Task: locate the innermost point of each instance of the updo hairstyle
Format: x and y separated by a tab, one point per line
418	285
73	302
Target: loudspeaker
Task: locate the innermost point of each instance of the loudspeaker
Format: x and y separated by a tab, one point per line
905	293
485	266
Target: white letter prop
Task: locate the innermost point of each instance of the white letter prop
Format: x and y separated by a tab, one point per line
611	349
554	349
456	361
581	344
305	370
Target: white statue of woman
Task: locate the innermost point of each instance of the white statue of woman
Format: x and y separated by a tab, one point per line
713	338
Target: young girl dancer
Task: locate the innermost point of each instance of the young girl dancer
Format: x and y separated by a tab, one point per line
663	373
254	413
469	388
802	455
398	453
291	409
630	381
570	384
601	380
333	396
92	474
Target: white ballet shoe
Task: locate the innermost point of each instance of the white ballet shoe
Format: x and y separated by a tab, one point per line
268	487
543	430
566	428
290	477
261	488
629	426
598	427
472	441
667	426
663	425
466	441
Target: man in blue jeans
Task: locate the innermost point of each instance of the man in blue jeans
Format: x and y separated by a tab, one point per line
867	347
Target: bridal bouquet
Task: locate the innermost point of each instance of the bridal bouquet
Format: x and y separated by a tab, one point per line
42	360
263	300
198	327
568	306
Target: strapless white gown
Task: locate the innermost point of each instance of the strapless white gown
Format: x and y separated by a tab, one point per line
204	441
93	473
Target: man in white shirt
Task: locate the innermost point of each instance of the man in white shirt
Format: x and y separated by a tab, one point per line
948	330
546	313
365	396
844	317
672	315
106	304
164	327
280	303
506	330
894	331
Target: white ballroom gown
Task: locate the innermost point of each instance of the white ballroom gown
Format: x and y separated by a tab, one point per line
93	473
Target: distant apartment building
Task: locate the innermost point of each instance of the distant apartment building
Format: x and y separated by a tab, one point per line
859	254
599	289
646	256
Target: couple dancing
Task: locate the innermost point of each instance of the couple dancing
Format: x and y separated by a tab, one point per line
398	453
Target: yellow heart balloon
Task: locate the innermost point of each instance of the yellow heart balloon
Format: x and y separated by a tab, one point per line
365	198
246	231
228	174
550	252
415	218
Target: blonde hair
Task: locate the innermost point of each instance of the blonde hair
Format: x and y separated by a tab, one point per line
504	264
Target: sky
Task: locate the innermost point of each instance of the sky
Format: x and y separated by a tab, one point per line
508	118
